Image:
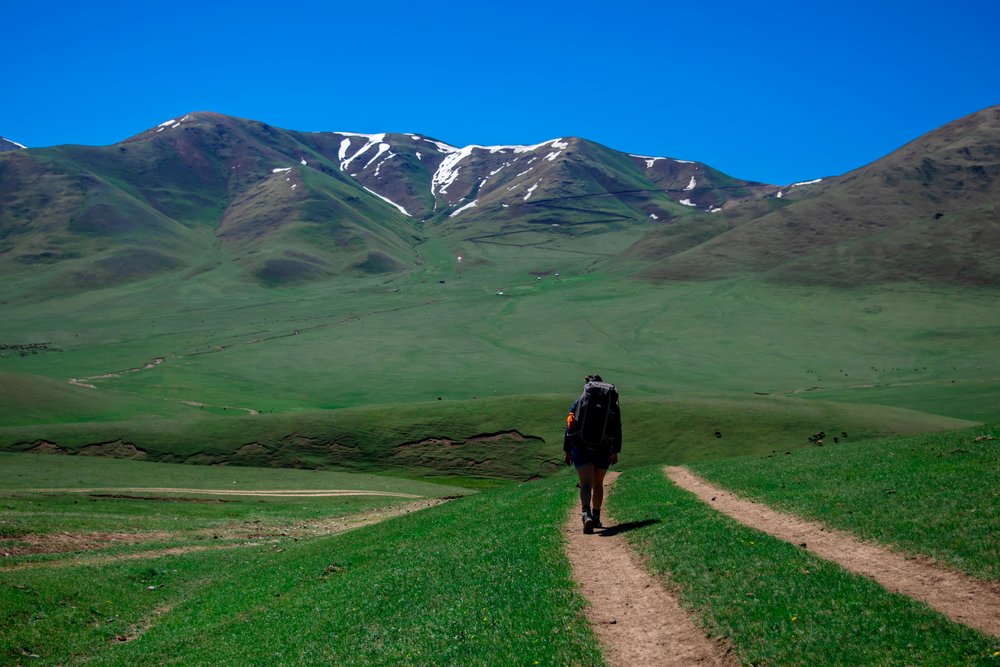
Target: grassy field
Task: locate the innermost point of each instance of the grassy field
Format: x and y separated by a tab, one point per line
493	437
774	602
934	495
412	338
499	341
480	581
114	506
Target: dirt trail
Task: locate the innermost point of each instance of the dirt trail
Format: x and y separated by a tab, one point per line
250	536
636	620
959	597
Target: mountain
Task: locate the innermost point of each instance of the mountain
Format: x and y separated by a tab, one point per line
8	145
926	212
205	190
285	206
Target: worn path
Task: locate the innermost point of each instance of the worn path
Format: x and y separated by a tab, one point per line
637	621
243	535
966	600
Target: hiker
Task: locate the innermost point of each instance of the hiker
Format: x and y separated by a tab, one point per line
592	442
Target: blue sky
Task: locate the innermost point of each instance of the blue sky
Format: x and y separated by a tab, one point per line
777	92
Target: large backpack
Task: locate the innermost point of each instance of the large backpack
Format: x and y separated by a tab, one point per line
593	410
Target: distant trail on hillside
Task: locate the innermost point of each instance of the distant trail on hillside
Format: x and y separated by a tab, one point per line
247	536
637	621
959	597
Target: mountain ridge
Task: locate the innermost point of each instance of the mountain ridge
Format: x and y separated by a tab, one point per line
288	206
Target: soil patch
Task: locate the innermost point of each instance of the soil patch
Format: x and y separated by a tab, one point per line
54	543
963	599
162	499
272	493
637	621
248	534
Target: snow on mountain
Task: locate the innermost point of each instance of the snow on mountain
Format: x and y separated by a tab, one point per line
8	145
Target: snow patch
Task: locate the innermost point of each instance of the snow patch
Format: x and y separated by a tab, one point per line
531	191
381	149
714	210
372	140
379	165
654	216
692	185
420	157
414	137
13	142
687	202
475	202
780	194
388	201
280	169
817	180
443	148
303	162
342	153
448	170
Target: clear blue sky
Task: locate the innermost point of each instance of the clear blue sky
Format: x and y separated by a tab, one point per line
770	91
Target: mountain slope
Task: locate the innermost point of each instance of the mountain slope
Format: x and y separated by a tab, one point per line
286	207
928	211
152	202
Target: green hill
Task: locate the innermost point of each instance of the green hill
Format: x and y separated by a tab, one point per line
213	283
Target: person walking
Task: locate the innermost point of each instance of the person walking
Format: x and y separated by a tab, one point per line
592	442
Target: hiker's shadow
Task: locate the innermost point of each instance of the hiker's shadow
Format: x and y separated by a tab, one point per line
611	531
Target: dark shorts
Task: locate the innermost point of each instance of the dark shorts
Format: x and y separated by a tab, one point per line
582	457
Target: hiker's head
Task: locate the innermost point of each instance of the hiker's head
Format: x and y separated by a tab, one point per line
593	378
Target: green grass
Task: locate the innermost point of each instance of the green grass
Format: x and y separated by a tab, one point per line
360	342
936	495
774	602
119	501
442	586
411	438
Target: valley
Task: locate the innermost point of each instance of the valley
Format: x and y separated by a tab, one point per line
374	339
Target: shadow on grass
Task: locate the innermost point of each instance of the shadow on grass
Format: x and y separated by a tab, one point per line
611	531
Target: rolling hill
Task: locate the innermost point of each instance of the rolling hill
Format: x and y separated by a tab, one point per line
218	280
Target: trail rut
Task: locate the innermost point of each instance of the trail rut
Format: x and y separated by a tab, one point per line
637	621
248	536
961	598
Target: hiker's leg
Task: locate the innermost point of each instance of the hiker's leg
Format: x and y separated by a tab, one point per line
586	473
598	494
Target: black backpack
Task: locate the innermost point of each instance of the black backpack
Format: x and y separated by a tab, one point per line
593	411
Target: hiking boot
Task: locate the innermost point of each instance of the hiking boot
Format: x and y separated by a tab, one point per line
596	516
588	524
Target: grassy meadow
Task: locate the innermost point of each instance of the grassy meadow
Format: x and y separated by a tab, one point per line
499	341
456	377
480	580
935	495
774	602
